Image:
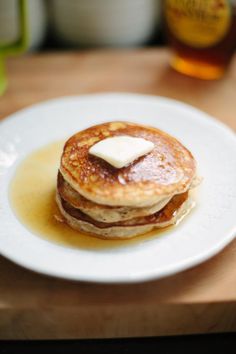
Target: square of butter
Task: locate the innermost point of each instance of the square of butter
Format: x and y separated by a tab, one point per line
120	151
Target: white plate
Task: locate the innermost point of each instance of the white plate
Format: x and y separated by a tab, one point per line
204	233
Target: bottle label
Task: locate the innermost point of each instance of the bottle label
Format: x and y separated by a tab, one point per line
198	23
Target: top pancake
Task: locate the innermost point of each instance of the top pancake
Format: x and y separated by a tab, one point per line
167	170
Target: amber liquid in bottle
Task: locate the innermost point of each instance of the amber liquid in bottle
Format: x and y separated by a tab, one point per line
202	35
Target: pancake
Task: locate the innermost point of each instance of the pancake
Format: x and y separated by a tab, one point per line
104	213
168	170
172	212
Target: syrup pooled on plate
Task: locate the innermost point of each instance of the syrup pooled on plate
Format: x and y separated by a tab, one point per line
32	195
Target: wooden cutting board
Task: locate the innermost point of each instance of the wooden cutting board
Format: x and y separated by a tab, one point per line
200	300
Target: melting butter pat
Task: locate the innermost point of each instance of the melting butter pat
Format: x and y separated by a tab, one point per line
120	151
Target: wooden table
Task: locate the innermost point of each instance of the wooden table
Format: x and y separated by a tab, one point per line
200	300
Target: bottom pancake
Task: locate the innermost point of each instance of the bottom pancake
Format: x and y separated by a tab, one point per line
169	215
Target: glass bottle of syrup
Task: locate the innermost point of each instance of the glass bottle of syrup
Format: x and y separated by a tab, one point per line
202	34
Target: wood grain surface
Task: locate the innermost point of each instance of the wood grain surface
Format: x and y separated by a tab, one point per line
200	300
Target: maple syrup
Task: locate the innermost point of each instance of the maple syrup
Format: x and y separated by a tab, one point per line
32	195
202	35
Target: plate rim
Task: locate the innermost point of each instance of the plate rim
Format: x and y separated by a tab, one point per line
117	94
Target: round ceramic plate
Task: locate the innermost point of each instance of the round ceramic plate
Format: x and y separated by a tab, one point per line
204	232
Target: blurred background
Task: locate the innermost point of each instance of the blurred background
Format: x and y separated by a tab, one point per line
201	34
64	24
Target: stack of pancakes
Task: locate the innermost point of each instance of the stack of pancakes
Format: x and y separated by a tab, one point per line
152	192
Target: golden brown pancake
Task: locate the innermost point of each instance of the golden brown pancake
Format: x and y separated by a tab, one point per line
169	169
178	205
101	212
